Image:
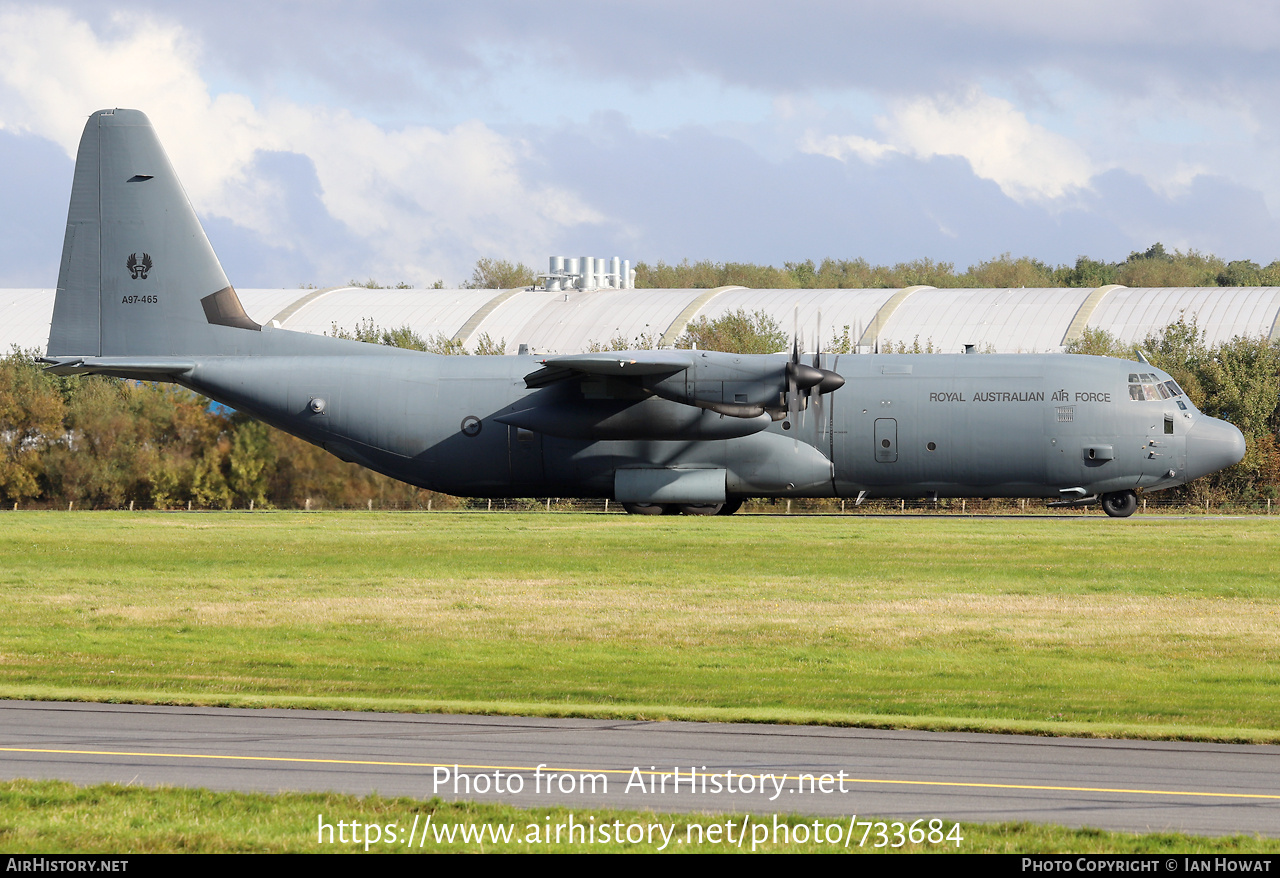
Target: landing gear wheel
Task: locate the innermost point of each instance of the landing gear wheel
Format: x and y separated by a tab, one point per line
729	507
644	508
701	508
1119	504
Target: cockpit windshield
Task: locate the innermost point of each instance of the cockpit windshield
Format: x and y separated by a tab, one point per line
1146	386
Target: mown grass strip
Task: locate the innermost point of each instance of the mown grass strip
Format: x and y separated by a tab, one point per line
1142	628
54	817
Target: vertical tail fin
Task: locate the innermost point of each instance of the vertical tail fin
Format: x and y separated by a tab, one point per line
138	276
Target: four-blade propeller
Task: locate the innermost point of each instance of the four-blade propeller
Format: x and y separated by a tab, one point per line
803	380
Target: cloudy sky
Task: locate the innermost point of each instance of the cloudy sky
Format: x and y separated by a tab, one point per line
322	141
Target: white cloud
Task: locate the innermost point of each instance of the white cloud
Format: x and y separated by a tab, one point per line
1027	161
841	147
415	195
409	190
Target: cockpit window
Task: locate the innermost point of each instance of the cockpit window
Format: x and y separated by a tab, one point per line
1147	386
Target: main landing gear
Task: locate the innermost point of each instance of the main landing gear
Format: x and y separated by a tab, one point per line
727	508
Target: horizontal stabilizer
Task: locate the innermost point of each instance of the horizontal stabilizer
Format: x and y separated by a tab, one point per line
143	368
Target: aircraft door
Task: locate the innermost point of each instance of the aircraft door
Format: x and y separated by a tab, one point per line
524	450
1165	453
886	435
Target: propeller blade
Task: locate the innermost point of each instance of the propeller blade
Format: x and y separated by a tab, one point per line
793	385
817	347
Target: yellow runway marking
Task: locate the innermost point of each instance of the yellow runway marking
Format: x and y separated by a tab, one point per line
653	773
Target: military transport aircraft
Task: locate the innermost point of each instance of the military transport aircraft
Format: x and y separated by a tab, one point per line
141	295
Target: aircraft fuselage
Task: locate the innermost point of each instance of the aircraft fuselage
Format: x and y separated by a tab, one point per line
904	425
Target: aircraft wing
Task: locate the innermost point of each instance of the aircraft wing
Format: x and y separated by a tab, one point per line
610	364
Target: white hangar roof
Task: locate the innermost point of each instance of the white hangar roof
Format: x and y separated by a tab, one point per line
1004	320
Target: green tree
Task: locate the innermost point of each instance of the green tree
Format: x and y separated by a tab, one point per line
404	337
372	284
737	333
1241	273
1098	343
209	486
1005	272
804	274
707	275
924	271
250	461
31	413
1156	268
1086	273
499	274
487	347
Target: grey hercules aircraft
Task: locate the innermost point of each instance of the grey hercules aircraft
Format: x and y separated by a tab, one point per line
141	295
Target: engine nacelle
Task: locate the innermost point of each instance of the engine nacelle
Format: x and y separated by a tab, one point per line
742	385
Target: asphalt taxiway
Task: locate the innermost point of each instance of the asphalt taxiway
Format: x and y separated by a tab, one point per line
1212	789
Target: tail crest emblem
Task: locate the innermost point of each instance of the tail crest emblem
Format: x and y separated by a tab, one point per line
137	269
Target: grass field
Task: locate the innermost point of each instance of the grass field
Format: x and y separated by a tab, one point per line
56	817
1154	628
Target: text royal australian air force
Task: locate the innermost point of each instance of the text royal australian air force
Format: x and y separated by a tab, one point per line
1018	396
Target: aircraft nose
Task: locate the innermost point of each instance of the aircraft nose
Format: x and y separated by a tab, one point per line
1212	445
